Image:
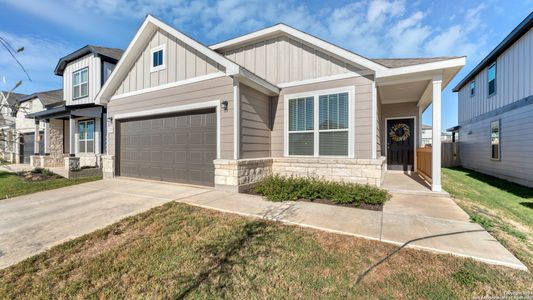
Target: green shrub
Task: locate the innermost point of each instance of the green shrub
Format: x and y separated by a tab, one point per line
278	188
43	171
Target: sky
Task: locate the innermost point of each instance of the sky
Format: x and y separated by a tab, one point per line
50	29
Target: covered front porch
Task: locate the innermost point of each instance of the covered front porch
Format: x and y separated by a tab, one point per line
71	135
402	98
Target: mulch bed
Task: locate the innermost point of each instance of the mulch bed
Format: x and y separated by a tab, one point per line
374	207
33	176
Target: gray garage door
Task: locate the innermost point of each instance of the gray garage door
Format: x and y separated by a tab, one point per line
177	148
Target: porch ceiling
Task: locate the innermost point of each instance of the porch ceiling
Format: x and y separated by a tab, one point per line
402	92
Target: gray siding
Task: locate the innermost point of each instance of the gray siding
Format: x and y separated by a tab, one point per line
362	107
514	81
208	90
379	128
516	162
93	63
284	59
397	110
255	123
182	62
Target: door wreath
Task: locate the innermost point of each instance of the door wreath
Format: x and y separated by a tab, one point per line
399	132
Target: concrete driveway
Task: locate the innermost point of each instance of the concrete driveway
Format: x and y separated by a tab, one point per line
33	223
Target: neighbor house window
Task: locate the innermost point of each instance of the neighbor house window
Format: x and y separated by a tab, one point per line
86	136
492	79
472	88
80	83
495	140
318	125
158	58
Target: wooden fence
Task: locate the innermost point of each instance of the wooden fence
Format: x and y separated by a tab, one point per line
450	154
423	162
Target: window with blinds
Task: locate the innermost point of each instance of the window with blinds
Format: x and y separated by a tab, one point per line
331	130
301	126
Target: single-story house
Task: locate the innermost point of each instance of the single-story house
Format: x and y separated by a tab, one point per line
277	100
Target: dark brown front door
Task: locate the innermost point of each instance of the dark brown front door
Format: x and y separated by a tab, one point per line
178	148
400	144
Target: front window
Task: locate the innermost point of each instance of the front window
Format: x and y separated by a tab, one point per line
80	84
495	140
472	88
318	125
86	136
492	79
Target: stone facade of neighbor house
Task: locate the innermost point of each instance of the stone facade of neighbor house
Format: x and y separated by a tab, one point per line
276	101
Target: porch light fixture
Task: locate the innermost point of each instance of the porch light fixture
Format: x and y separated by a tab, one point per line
225	105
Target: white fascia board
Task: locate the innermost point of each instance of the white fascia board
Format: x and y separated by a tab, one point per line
282	28
257	82
149	26
439	65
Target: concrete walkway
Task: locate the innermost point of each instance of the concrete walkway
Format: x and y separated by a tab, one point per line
33	223
425	222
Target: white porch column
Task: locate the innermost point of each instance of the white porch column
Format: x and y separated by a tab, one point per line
436	150
97	135
16	147
72	137
36	138
47	137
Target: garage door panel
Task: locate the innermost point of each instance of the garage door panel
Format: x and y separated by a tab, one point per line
177	148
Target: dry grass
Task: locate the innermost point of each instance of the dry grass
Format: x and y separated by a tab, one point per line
179	251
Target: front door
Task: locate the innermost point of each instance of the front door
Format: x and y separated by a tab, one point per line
400	144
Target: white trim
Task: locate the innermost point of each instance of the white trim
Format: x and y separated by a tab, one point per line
170	85
305	37
176	109
162	47
374	147
443	64
236	118
323	79
415	137
316	94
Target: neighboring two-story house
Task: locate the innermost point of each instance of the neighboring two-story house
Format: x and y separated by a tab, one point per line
74	127
496	110
8	102
275	101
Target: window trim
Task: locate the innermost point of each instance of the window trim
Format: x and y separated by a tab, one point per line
495	77
80	84
162	47
85	140
499	140
316	110
470	88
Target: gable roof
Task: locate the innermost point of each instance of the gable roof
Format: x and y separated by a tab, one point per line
48	98
516	34
13	97
151	25
113	54
280	29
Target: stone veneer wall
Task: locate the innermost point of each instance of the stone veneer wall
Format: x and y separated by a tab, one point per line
56	144
237	175
108	166
365	171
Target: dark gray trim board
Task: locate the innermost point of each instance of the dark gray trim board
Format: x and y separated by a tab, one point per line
517	104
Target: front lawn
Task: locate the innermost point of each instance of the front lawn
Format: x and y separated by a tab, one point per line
12	185
502	207
179	251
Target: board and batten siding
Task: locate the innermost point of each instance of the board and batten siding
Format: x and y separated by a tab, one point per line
254	123
514	81
208	90
181	60
93	63
283	59
516	162
362	113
